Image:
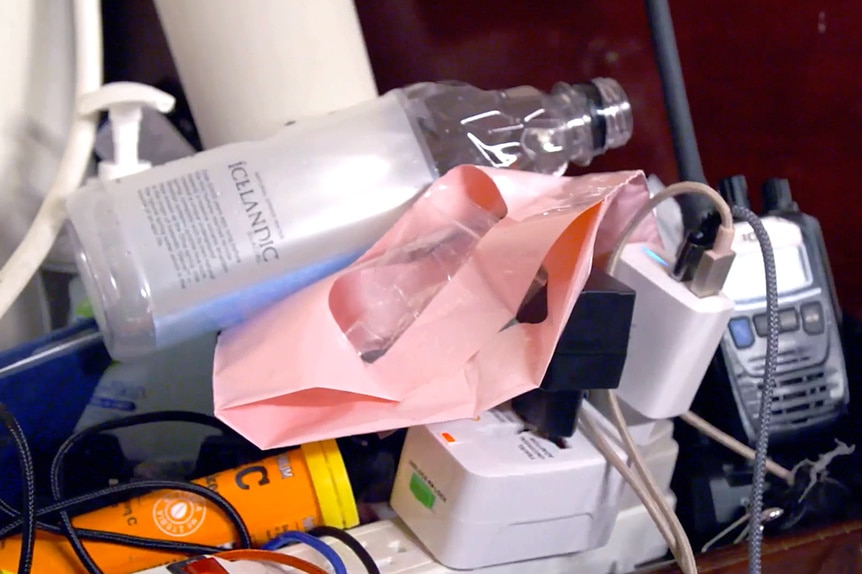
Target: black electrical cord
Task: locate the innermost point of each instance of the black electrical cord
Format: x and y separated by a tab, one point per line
100	536
83	554
351	542
61	506
57	469
28	478
685	150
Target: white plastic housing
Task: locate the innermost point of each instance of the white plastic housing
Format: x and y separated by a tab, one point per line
199	244
484	491
673	337
249	67
634	541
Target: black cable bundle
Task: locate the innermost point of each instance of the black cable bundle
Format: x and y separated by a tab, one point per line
28	475
55	517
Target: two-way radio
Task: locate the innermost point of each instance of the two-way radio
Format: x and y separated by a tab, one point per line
812	387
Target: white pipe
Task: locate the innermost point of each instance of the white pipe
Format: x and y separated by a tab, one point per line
49	220
248	67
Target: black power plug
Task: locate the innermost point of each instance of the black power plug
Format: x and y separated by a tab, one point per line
590	354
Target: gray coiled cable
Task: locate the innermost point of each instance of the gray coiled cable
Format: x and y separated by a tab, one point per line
755	542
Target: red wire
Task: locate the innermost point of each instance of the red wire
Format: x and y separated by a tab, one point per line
269	556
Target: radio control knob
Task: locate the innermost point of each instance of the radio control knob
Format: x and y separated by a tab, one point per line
777	196
734	190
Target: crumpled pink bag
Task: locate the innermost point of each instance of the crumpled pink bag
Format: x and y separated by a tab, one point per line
439	298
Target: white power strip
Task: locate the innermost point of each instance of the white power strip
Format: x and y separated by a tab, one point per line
634	540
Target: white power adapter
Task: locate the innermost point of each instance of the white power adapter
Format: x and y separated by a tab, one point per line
487	491
673	337
484	492
634	540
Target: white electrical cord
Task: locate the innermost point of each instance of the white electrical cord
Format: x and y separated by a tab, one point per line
647	490
723	240
677	541
642	481
49	220
684	552
739	448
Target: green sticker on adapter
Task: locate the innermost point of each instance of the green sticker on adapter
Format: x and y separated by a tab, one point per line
84	309
421	491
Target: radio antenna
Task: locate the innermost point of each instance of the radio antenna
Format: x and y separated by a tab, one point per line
689	166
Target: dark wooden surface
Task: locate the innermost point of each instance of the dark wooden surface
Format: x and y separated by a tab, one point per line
775	86
832	550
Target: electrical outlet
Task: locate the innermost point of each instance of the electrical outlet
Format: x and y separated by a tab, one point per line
634	540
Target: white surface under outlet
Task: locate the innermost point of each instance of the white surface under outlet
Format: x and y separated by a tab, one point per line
634	541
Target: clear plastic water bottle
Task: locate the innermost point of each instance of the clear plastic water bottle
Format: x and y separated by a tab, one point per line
199	244
520	128
398	285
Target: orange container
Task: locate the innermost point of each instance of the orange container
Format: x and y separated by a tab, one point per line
297	490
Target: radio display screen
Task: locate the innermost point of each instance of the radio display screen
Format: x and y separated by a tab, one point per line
747	279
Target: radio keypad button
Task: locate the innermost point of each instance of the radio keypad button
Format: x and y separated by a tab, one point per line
788	320
740	331
761	325
812	318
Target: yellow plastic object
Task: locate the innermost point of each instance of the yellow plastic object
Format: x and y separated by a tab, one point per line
331	484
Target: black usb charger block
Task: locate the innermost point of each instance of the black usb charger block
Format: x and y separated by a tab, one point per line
590	354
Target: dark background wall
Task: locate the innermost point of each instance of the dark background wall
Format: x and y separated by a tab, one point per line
774	86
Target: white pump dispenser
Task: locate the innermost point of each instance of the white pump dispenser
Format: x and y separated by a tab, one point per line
123	102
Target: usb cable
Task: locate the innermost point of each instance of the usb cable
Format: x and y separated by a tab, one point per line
705	272
755	542
704	280
714	264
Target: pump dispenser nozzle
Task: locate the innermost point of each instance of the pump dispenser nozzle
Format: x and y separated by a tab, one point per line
123	101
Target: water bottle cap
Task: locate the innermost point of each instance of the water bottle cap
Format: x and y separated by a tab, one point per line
617	112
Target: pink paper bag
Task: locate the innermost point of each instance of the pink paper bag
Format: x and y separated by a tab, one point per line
436	297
